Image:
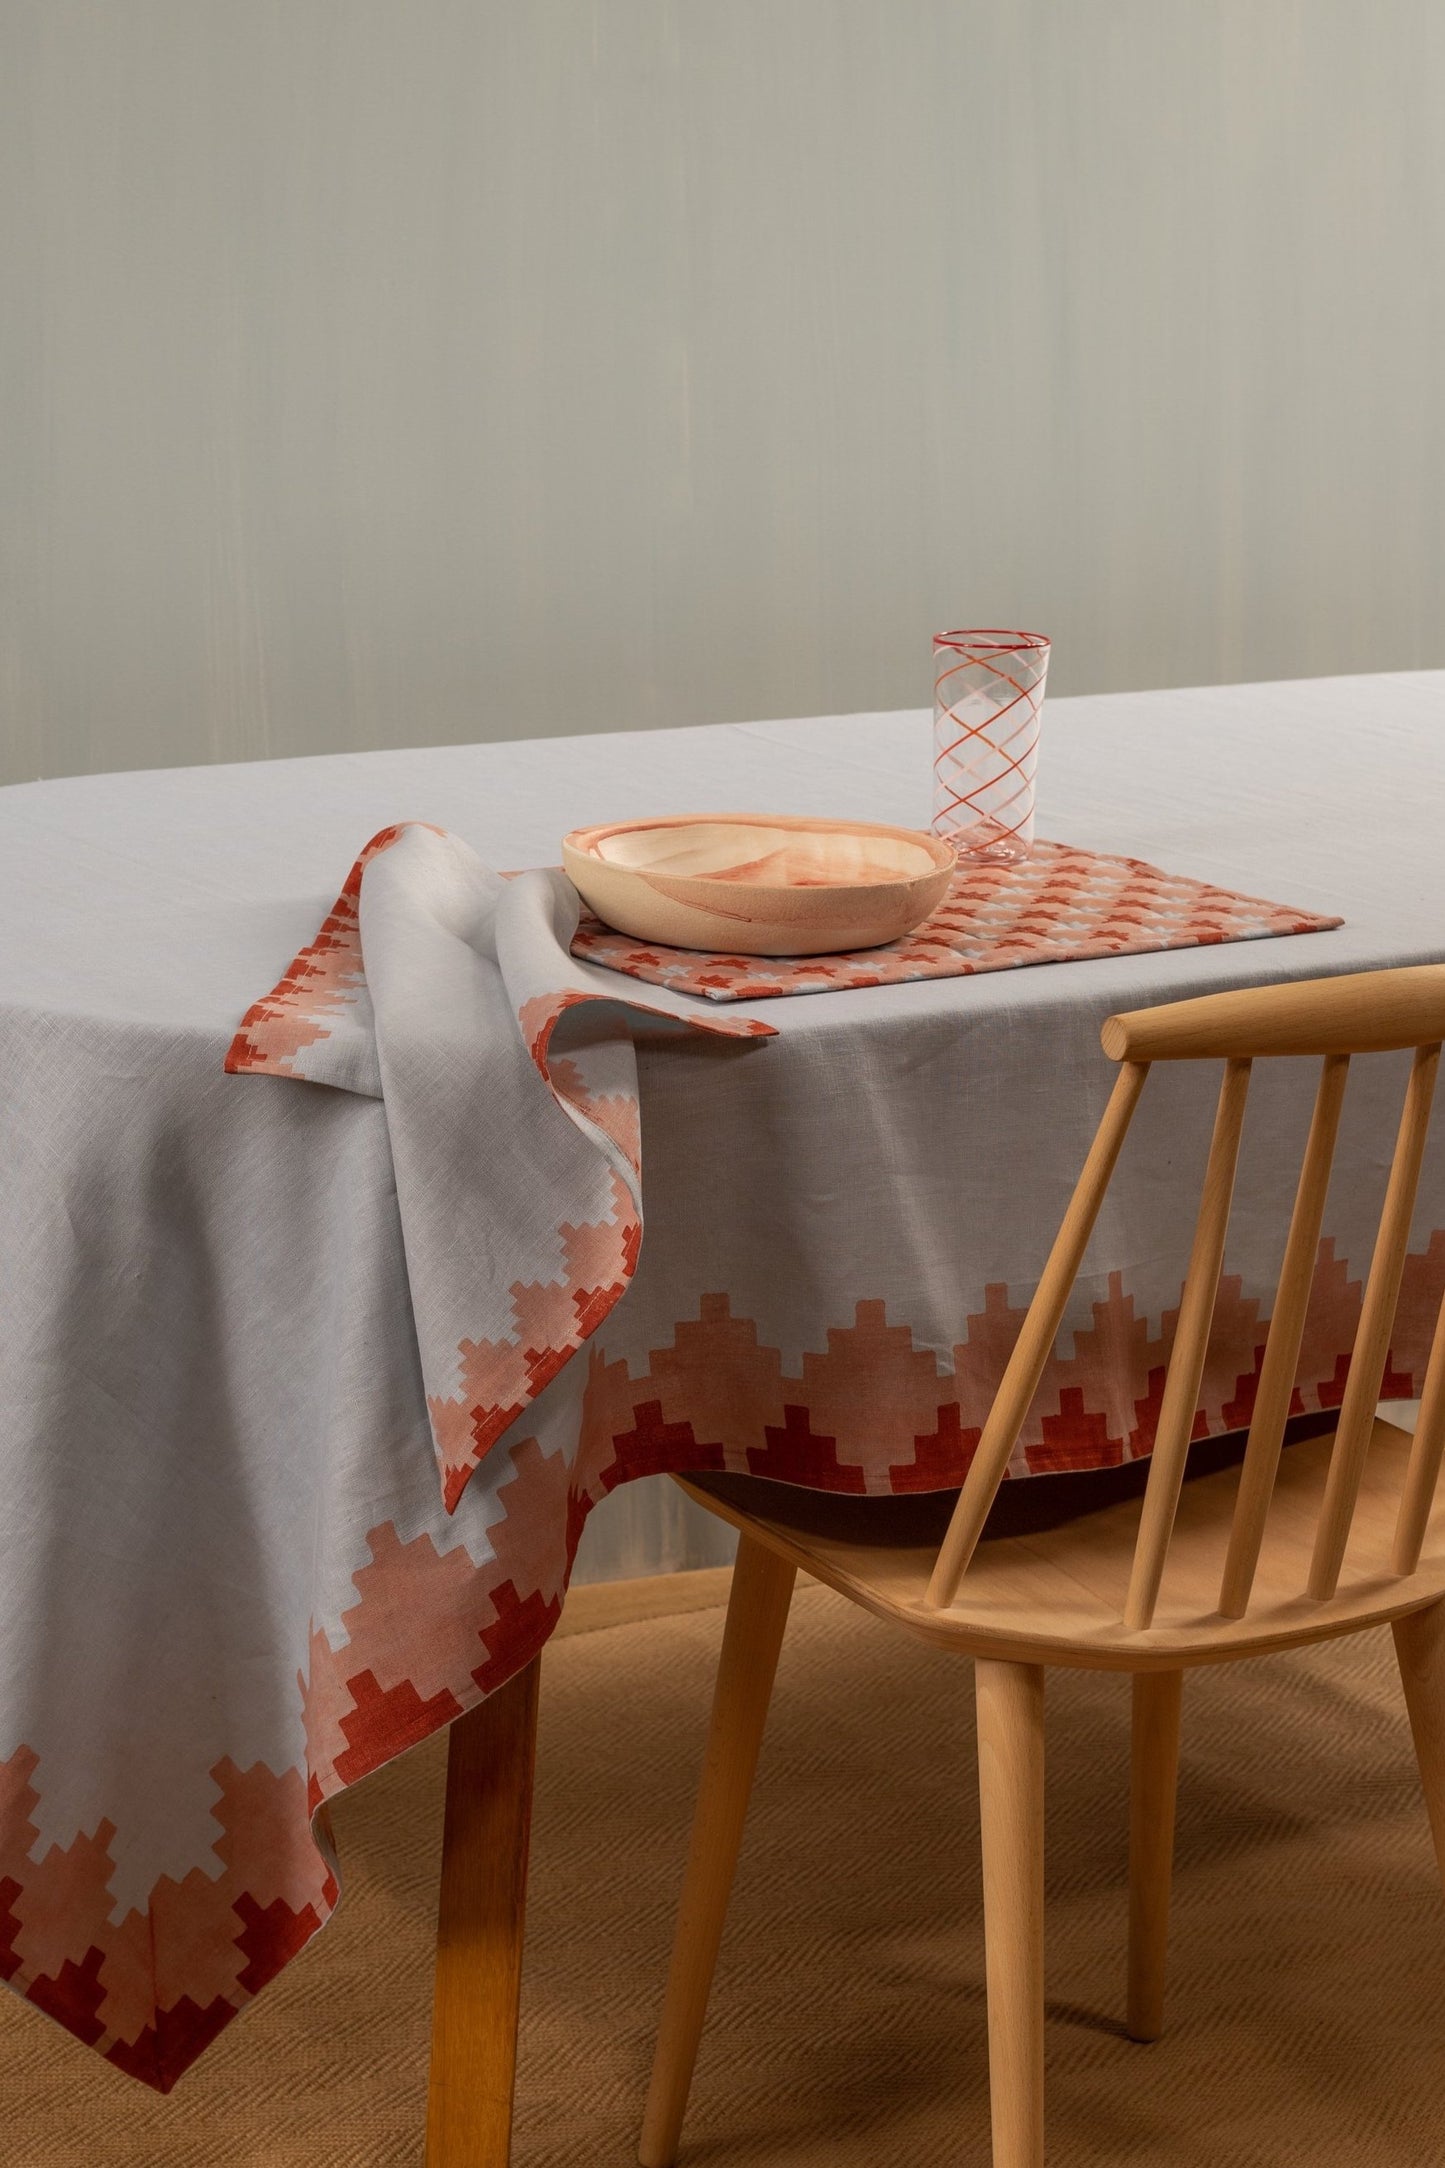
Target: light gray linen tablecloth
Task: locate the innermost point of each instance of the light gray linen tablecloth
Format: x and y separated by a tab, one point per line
230	1584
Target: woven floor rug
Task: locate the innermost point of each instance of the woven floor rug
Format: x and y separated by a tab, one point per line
1308	1993
1064	905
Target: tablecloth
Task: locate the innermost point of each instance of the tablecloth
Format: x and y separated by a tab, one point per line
231	1581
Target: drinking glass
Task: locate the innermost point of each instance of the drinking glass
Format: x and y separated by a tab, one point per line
988	695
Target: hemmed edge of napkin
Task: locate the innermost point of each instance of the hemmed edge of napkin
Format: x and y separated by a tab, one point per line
323	984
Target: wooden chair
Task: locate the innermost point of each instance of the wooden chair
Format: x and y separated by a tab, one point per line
1335	1535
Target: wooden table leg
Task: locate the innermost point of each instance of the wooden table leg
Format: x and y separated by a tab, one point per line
479	1928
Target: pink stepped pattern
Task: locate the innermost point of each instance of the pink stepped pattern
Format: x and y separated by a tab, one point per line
1062	905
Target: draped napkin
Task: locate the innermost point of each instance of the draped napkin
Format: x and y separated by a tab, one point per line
509	1077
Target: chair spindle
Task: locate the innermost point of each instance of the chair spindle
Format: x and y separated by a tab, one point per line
1281	1353
1035	1342
1372	1341
1191	1342
1357	1412
1423	1472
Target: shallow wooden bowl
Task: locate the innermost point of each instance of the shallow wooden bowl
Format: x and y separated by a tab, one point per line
756	884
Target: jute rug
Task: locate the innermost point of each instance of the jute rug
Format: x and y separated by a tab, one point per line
1308	1991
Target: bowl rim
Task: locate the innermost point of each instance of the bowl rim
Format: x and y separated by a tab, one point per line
583	841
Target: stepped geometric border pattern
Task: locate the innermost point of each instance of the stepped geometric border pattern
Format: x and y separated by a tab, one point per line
1062	905
431	1633
319	983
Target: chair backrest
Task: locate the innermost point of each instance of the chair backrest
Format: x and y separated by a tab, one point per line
1329	1018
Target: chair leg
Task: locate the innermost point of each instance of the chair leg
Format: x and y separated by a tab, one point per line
1154	1780
1011	1799
757	1615
1420	1653
490	1759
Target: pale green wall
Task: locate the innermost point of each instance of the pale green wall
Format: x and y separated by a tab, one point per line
376	371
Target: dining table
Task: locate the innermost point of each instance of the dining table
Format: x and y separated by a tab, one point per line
361	1230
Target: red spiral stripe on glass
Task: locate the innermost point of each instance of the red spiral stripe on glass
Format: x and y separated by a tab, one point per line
1003	674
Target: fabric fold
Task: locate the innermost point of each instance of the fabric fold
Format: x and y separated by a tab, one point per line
509	1077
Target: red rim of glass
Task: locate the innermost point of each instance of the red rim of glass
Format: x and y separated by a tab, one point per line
989	640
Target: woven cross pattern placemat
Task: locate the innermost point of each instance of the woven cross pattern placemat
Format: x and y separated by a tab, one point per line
1062	905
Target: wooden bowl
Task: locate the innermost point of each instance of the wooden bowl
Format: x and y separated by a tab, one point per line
759	884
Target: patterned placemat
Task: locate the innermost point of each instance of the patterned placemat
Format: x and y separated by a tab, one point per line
1063	905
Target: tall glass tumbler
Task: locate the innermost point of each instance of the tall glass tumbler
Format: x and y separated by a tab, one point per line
988	696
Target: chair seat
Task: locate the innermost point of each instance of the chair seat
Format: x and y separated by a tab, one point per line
1048	1581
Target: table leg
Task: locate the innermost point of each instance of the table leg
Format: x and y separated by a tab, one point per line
479	1928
